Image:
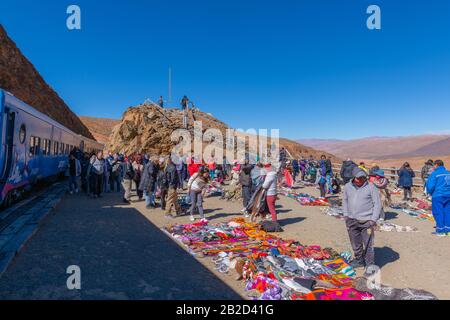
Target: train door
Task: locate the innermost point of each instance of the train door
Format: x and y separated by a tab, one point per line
7	149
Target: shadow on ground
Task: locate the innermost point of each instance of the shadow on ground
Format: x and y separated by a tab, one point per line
121	254
385	255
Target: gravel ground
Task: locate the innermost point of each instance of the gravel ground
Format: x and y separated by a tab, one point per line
123	254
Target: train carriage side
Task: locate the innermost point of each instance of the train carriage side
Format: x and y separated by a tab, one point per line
34	147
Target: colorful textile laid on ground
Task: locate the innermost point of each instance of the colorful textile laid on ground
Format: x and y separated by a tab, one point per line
304	199
383	226
214	188
272	268
420	209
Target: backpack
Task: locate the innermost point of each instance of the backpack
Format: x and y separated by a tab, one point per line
271	226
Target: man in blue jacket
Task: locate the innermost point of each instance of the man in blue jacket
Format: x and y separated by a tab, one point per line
438	186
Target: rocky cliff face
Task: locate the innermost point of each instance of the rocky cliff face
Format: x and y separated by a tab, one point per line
101	128
146	129
18	76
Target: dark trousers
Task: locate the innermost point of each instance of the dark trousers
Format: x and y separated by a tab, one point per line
246	195
362	236
163	196
323	192
97	181
115	182
407	193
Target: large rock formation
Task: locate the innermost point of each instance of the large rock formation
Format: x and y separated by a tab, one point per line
18	76
148	129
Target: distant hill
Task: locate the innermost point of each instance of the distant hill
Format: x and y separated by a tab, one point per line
20	77
101	128
380	148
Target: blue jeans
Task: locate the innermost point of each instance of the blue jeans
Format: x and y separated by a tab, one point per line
73	185
441	213
150	196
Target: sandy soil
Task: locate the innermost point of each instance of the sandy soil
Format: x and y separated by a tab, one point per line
407	260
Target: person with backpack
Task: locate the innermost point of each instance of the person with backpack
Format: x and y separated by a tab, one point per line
405	181
148	182
347	170
116	172
74	173
98	169
127	182
163	185
172	194
138	168
438	186
245	180
196	189
427	169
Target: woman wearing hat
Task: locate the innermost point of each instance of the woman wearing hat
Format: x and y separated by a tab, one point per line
378	178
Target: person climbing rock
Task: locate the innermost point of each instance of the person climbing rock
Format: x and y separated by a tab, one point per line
362	209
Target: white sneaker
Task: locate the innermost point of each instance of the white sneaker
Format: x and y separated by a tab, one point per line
192	218
244	210
246	215
204	220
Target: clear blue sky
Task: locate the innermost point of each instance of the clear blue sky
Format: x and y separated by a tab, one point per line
308	67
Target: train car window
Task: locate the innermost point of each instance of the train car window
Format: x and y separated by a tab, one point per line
56	148
32	147
22	134
49	150
37	145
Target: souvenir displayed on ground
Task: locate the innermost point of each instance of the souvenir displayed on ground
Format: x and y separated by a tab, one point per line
275	268
382	226
305	199
214	189
419	209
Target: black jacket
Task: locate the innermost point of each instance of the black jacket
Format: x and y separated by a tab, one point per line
172	176
128	171
149	177
347	169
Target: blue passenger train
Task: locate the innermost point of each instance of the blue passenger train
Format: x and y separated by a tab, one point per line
33	147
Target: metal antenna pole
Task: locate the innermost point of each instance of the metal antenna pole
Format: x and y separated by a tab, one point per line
170	87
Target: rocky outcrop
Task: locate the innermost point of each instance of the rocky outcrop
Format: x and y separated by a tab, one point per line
148	129
101	128
19	76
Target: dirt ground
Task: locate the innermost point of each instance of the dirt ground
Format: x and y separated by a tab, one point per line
407	260
124	254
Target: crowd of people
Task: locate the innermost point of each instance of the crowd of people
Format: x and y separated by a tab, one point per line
364	199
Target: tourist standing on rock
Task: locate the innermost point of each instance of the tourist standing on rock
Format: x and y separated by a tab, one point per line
427	169
347	170
98	169
405	181
74	173
148	182
172	194
163	185
438	186
185	109
161	102
270	185
138	168
245	180
362	208
128	177
196	189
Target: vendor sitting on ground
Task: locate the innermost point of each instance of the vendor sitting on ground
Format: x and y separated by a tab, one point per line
362	209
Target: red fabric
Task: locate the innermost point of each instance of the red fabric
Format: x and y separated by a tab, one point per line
270	200
193	168
288	178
